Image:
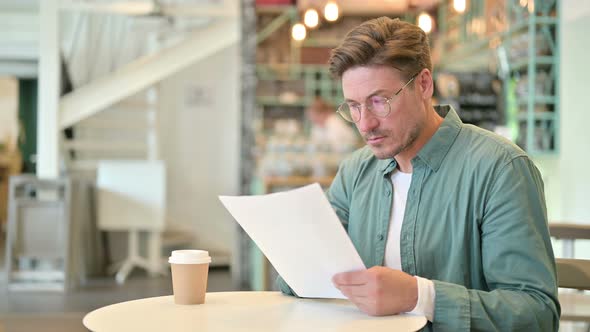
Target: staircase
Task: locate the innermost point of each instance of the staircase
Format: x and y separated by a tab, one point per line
128	128
114	64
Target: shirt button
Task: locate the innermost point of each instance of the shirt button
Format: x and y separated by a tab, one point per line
387	193
380	237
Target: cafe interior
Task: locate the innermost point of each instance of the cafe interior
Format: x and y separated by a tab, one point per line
122	122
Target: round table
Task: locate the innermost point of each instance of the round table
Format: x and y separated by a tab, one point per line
244	311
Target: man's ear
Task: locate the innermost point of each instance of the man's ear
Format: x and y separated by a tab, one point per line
425	83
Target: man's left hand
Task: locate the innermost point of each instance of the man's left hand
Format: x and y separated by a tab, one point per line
379	291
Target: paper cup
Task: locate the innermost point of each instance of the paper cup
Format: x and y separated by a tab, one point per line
190	269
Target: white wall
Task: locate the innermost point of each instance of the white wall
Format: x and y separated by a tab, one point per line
200	132
8	111
567	176
19	38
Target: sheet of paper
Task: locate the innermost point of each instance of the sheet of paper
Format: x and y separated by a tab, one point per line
301	236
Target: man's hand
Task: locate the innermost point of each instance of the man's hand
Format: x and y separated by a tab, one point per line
379	291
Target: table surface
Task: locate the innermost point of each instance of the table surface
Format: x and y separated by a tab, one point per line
244	311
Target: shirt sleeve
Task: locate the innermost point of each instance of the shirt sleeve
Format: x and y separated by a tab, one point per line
426	297
284	287
338	196
517	261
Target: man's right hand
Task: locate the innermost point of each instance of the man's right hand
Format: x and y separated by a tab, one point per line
379	291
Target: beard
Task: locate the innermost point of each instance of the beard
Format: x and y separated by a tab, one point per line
385	151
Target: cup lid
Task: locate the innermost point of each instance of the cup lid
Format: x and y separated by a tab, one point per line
189	257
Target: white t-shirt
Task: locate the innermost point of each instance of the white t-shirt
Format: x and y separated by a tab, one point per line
401	185
426	296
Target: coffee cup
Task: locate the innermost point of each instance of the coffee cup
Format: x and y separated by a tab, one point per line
190	269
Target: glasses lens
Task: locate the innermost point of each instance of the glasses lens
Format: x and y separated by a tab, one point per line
345	113
379	106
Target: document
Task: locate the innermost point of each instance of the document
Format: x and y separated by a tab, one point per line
301	236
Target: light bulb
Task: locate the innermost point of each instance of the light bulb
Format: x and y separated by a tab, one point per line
298	32
459	5
425	22
311	18
331	11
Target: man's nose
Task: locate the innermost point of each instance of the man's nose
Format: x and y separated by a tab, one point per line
368	121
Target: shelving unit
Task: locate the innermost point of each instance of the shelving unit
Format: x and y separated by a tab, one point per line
288	80
518	40
474	95
307	81
284	91
532	62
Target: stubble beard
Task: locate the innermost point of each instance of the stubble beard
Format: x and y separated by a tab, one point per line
408	143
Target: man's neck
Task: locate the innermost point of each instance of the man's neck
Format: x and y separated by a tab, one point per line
404	158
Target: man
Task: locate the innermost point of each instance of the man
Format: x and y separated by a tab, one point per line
450	219
328	128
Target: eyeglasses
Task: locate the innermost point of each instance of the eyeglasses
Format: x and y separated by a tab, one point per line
379	106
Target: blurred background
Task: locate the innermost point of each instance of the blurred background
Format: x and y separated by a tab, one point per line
122	121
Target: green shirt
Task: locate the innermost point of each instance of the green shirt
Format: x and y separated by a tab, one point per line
475	224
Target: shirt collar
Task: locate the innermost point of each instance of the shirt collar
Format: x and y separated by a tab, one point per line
435	150
386	166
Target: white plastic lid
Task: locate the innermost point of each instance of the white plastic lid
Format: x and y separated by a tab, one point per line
189	257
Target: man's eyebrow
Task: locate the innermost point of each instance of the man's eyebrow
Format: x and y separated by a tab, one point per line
377	92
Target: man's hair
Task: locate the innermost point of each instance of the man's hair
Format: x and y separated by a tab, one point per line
383	41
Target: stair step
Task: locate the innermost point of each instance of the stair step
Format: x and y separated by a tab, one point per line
105	145
135	104
83	165
115	114
108	125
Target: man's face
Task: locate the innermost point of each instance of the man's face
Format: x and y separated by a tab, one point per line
393	134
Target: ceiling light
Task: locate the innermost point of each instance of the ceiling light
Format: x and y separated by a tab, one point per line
311	18
331	11
298	32
425	22
459	5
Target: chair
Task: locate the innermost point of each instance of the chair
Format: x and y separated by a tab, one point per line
573	273
131	197
568	233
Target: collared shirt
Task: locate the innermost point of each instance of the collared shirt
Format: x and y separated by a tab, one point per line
475	224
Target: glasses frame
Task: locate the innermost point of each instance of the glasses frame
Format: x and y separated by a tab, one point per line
370	109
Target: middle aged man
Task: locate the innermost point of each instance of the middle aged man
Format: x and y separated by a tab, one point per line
450	219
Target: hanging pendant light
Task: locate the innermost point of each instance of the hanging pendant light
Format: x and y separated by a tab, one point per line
331	11
298	32
425	22
460	6
311	18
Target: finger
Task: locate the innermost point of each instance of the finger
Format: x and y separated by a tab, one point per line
350	278
366	306
353	292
